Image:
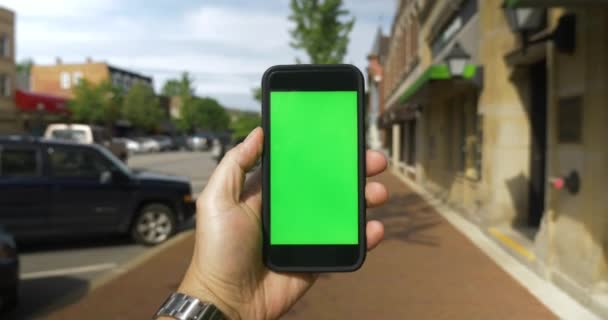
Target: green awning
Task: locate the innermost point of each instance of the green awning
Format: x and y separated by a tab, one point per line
551	3
434	73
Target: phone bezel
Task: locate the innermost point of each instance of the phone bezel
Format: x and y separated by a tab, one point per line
313	258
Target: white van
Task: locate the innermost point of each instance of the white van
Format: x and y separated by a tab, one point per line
87	134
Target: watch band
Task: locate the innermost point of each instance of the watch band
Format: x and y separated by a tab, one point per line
184	307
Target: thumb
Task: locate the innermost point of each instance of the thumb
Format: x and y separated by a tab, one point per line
226	183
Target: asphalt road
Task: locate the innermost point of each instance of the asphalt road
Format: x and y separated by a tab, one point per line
58	272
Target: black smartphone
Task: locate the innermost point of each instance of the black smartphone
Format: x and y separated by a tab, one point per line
313	167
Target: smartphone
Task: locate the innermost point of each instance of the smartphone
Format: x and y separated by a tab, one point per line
313	168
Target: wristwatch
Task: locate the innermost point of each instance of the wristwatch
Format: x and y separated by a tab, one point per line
183	307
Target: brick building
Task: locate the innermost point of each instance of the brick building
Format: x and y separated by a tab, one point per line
375	85
500	112
8	112
59	79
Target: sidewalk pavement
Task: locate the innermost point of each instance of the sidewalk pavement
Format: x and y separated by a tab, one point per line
425	269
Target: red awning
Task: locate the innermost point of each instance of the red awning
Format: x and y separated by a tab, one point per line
29	101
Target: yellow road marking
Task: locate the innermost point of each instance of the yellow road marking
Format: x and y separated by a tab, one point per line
506	240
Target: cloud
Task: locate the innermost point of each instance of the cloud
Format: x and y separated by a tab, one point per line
372	11
226	45
60	9
252	31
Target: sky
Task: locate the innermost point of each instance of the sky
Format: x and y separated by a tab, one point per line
226	45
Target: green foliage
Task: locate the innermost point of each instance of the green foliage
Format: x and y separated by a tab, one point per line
203	114
257	94
196	113
322	29
140	106
25	65
244	123
95	103
179	87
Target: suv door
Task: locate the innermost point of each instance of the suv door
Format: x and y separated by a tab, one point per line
85	197
24	192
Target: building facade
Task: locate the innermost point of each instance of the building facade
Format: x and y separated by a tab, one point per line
375	87
504	122
60	78
8	112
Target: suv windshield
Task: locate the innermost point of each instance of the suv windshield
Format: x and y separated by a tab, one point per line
117	162
69	135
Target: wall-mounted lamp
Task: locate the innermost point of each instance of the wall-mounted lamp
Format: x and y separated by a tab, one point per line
526	21
457	60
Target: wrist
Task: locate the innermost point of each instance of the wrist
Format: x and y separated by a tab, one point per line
195	286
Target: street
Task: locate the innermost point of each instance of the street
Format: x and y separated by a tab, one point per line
55	273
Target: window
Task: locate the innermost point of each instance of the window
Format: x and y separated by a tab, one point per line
77	77
69	135
116	79
5	50
5	85
76	163
64	80
449	30
18	163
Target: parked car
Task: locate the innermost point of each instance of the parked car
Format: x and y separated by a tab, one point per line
221	144
164	142
84	133
53	188
9	271
148	145
180	142
200	142
133	146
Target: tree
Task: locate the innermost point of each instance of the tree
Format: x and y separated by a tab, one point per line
25	65
257	94
244	123
322	29
141	107
181	87
95	103
203	114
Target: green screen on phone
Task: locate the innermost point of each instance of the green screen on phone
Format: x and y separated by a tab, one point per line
313	168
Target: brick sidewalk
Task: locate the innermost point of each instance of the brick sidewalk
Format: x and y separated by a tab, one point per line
425	269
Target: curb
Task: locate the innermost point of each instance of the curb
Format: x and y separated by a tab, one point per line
111	275
134	263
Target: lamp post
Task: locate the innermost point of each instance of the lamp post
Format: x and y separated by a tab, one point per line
457	60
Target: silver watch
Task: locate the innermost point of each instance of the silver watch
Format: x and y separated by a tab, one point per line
183	307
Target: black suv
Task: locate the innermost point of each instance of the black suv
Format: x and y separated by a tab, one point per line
60	188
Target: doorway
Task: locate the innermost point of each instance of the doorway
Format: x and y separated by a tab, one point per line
538	146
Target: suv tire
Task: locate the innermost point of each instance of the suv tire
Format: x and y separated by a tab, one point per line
154	224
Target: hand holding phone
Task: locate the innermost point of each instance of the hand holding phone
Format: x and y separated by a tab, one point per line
226	268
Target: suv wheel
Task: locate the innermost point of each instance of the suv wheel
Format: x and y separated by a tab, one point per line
154	224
